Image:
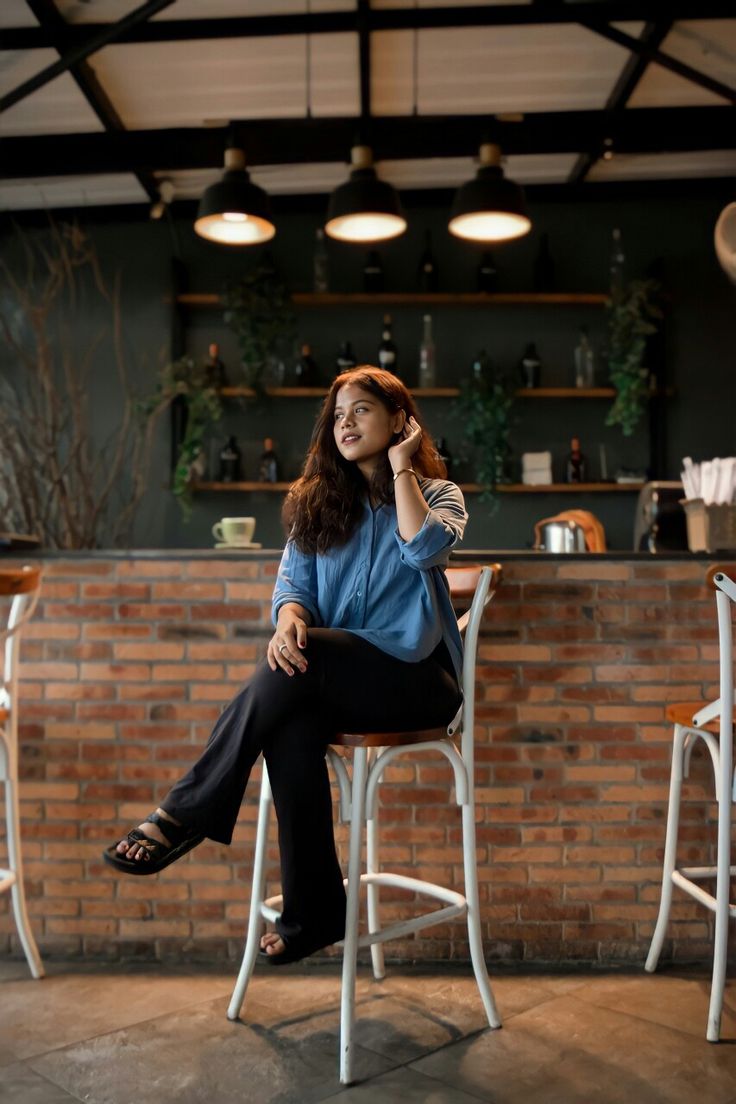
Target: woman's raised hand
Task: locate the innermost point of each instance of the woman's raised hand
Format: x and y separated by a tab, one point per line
284	647
400	454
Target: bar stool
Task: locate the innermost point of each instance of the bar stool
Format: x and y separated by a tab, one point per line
372	753
714	724
22	585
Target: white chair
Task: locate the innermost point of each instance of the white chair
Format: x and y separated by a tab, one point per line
372	753
713	724
22	585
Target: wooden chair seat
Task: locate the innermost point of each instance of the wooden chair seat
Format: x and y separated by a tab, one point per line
19	580
682	713
387	739
4	714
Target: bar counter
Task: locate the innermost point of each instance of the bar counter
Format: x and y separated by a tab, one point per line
131	656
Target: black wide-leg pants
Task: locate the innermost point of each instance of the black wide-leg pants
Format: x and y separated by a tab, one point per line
349	685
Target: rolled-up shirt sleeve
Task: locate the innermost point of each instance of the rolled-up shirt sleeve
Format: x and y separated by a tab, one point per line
296	582
441	530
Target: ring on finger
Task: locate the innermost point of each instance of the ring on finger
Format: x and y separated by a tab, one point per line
283	648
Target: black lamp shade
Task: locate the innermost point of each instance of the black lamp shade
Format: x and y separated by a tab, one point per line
364	209
235	211
489	208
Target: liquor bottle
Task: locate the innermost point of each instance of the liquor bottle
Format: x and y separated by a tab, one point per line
373	272
444	454
427	360
388	355
616	264
214	371
576	468
486	273
345	358
427	276
530	367
543	275
584	361
269	470
306	373
321	273
482	368
230	462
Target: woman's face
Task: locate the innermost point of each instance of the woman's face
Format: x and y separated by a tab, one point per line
363	427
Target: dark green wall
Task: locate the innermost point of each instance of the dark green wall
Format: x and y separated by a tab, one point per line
699	341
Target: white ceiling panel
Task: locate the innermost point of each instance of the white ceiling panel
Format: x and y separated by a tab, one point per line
16	13
110	11
70	191
665	166
191	83
708	46
484	70
57	108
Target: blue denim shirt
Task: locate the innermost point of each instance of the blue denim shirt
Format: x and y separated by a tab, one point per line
391	592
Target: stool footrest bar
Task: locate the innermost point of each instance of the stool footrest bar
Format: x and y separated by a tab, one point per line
7	879
699	894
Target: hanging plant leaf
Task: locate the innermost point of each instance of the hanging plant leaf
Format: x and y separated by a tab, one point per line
634	315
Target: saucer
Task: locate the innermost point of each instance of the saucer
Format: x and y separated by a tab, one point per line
237	544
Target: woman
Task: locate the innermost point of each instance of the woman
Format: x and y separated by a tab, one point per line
365	640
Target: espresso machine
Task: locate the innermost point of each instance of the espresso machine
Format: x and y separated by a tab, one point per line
660	524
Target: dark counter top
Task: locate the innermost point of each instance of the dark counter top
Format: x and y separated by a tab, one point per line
475	555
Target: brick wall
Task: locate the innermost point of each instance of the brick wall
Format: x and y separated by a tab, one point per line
129	661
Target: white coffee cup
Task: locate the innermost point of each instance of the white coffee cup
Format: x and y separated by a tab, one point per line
238	530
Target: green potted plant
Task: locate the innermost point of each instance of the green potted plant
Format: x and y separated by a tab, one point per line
484	406
187	383
634	315
258	308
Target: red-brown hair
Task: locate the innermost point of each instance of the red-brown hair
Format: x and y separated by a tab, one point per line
325	504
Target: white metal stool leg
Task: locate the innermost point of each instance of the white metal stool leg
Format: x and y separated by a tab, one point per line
350	948
373	889
473	913
722	911
15	879
255	919
670	848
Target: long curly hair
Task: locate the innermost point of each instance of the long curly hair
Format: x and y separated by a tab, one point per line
325	504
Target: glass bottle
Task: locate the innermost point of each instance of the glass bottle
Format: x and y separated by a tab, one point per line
530	367
215	374
306	372
584	360
269	468
230	462
486	273
345	358
427	359
373	272
444	454
576	467
321	273
388	354
427	276
482	368
543	275
616	264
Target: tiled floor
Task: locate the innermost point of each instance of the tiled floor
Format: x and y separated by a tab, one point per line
144	1034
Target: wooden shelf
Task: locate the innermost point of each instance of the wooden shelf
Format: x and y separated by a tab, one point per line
468	488
430	392
410	298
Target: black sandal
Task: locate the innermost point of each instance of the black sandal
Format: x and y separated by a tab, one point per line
181	839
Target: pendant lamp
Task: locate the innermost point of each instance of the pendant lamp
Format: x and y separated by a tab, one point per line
364	209
235	211
489	208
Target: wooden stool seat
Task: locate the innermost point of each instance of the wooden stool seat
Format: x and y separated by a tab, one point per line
19	580
4	714
387	739
682	713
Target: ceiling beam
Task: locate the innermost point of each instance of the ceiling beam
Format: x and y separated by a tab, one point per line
380	19
651	54
653	35
78	53
49	17
294	141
